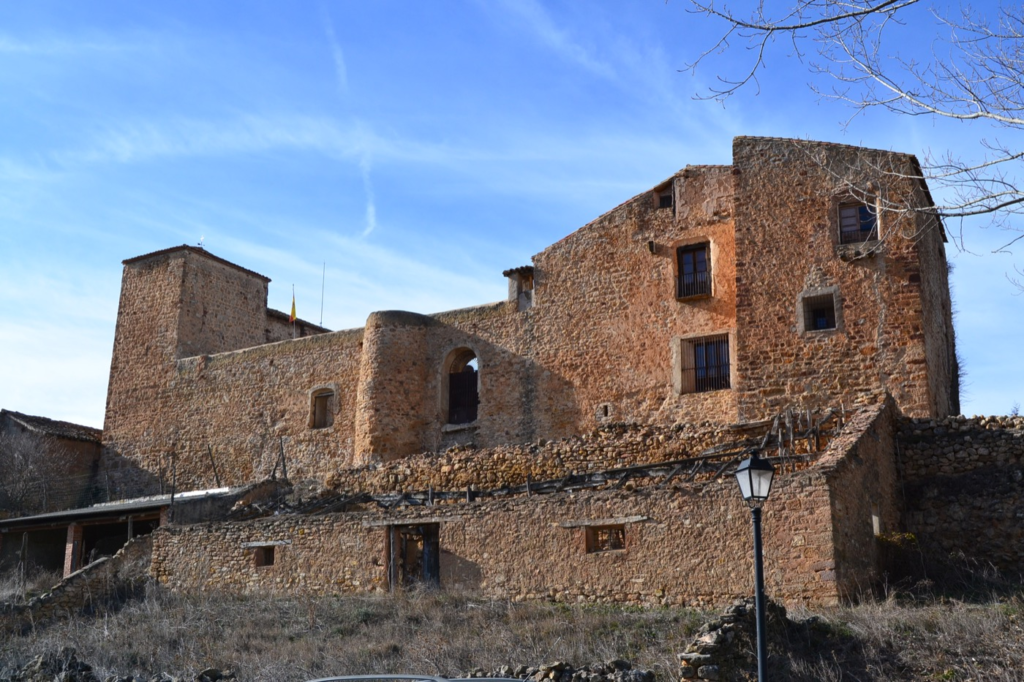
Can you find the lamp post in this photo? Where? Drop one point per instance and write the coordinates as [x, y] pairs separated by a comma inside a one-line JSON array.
[[755, 478]]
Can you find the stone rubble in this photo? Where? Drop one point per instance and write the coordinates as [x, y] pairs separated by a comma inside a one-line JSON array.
[[616, 670]]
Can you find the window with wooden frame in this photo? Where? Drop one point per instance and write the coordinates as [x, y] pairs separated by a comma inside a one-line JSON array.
[[694, 267], [705, 364], [322, 415], [606, 538], [858, 222]]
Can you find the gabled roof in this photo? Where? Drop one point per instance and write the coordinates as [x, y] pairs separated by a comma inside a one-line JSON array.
[[53, 427]]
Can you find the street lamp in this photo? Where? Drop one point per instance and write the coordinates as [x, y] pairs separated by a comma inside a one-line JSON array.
[[755, 478]]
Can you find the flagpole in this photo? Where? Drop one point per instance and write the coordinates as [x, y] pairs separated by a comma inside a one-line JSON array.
[[323, 281], [293, 312]]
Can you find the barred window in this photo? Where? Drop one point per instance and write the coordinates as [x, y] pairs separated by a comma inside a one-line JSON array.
[[819, 312], [705, 364], [857, 223], [694, 270], [605, 538]]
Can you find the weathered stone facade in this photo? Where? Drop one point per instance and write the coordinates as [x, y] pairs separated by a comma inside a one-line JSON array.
[[805, 279], [687, 543], [193, 374]]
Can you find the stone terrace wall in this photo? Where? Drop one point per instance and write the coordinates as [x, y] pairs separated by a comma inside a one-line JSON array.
[[608, 447], [964, 487], [689, 545]]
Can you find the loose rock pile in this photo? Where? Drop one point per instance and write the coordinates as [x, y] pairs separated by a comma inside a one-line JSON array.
[[609, 671], [725, 648], [64, 666]]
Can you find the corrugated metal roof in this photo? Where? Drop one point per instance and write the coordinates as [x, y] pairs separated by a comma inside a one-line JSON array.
[[107, 509]]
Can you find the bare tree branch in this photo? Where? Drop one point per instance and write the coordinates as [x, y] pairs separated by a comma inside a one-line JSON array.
[[973, 74]]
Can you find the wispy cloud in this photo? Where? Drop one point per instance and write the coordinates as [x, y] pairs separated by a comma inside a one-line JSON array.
[[371, 206], [145, 140], [64, 46], [340, 72], [543, 26]]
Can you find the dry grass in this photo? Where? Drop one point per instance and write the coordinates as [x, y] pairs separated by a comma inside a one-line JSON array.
[[299, 639], [265, 639], [16, 588]]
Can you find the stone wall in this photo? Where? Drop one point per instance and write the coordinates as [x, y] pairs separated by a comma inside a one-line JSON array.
[[606, 315], [610, 446], [860, 468], [787, 203], [688, 545], [685, 542], [106, 578], [963, 487], [606, 339]]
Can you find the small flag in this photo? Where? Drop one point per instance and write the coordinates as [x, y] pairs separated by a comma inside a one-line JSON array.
[[292, 317]]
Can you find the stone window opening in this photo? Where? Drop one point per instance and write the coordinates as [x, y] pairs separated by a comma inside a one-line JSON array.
[[819, 310], [664, 196], [605, 538], [704, 364], [321, 408], [463, 394], [263, 556], [858, 222], [693, 264]]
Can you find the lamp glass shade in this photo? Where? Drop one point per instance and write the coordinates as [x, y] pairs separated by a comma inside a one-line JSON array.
[[755, 478]]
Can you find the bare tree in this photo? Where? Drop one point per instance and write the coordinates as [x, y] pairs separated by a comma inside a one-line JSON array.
[[858, 53], [32, 478]]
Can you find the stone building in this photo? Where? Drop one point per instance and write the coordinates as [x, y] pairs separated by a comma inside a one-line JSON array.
[[805, 275], [805, 279]]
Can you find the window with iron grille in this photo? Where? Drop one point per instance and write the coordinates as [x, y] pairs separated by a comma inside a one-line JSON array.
[[694, 270], [605, 538], [819, 312], [857, 223], [705, 364]]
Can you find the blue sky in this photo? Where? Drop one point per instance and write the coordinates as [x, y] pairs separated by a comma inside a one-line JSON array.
[[418, 149]]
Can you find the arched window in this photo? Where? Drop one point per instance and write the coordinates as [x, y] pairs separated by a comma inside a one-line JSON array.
[[463, 378]]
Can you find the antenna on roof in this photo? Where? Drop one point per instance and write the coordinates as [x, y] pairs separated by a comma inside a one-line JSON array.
[[323, 280], [201, 240]]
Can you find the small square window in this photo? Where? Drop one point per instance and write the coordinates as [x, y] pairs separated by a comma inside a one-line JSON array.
[[819, 312], [665, 200], [605, 538], [857, 223], [264, 556], [694, 264]]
